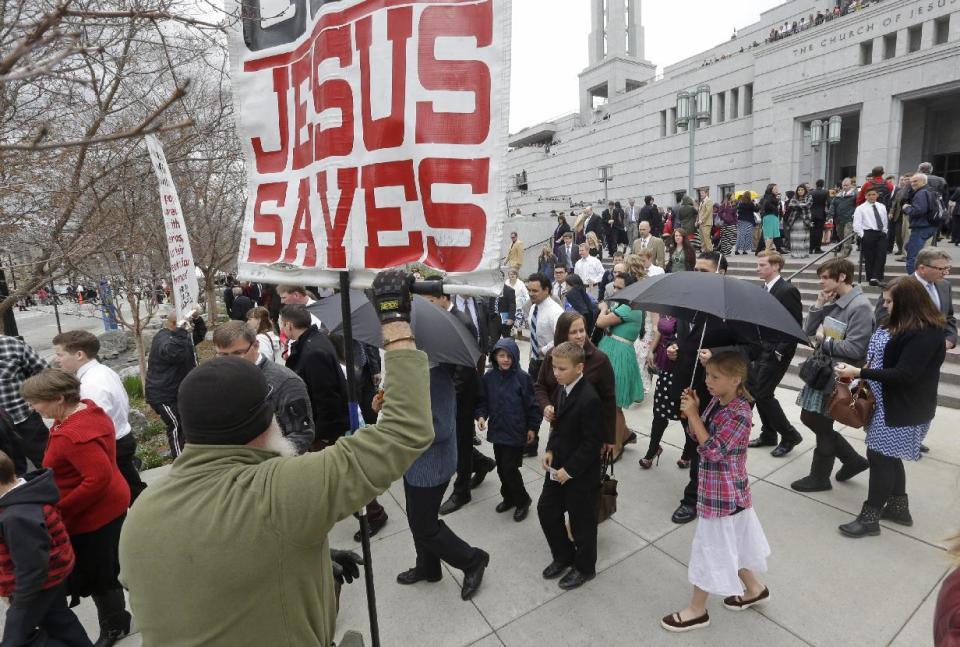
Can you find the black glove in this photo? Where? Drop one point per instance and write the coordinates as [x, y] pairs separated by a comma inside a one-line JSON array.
[[346, 565], [390, 295]]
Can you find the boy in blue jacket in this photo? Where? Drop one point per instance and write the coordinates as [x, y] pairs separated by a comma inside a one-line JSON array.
[[507, 409]]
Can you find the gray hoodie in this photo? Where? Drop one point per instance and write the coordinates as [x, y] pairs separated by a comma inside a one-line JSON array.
[[854, 310]]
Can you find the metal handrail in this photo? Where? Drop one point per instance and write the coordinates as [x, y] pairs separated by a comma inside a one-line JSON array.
[[829, 251]]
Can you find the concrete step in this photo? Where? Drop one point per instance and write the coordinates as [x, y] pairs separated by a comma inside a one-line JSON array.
[[948, 395]]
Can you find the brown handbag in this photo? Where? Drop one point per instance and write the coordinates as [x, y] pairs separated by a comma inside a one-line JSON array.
[[606, 502], [852, 408]]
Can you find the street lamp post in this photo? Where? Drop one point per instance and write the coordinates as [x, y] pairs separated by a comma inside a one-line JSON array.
[[823, 133], [692, 109], [605, 177]]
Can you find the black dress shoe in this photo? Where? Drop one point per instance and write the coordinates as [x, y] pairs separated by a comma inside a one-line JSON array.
[[503, 506], [453, 504], [375, 525], [482, 470], [473, 577], [784, 448], [575, 579], [413, 576], [521, 512], [555, 570], [760, 441], [924, 449], [684, 514]]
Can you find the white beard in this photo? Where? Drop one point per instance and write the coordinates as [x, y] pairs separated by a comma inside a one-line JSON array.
[[272, 440]]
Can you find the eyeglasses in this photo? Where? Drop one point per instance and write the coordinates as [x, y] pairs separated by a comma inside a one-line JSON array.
[[943, 269], [236, 353]]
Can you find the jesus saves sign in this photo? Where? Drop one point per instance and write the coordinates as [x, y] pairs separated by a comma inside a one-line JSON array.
[[374, 132]]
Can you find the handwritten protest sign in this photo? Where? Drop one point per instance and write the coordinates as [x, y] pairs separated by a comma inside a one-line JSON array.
[[374, 133], [182, 271]]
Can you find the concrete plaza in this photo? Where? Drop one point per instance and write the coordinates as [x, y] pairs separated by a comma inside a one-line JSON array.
[[826, 589]]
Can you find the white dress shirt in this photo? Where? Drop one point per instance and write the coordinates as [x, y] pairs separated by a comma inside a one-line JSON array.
[[865, 220], [590, 269], [769, 284], [102, 385], [931, 289], [569, 387], [548, 311], [655, 270]]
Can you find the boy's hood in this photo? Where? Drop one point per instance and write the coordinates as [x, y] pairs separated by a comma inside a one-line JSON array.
[[511, 347], [40, 488]]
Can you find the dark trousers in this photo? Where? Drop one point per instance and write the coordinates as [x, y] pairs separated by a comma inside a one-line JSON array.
[[509, 459], [874, 248], [830, 444], [768, 374], [816, 235], [432, 538], [690, 491], [955, 227], [126, 453], [170, 415], [45, 620], [887, 478], [468, 459], [33, 438], [577, 500]]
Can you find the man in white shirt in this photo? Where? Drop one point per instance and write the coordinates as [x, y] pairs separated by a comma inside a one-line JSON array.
[[543, 323], [76, 352], [589, 269], [647, 241], [633, 217], [298, 294], [870, 224]]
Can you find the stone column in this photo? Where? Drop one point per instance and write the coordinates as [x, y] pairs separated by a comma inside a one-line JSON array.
[[903, 41], [927, 34]]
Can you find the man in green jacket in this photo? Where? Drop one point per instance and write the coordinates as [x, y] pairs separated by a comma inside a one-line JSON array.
[[231, 547]]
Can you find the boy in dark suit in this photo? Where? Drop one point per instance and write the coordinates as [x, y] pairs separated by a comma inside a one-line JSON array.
[[572, 461]]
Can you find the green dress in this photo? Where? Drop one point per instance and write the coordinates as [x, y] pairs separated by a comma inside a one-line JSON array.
[[618, 346]]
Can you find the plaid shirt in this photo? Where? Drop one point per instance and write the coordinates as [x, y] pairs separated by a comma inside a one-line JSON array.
[[723, 484], [17, 362]]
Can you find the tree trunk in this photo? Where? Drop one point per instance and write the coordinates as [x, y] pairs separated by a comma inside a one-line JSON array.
[[210, 288], [141, 361]]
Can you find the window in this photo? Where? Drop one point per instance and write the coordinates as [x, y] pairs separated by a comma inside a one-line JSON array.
[[941, 30], [663, 123], [866, 53], [721, 103], [734, 103], [914, 36], [889, 46], [723, 190], [748, 99]]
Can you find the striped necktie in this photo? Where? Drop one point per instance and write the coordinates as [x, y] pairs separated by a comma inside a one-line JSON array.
[[534, 343]]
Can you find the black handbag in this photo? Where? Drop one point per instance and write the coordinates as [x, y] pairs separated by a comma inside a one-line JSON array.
[[606, 502], [817, 370]]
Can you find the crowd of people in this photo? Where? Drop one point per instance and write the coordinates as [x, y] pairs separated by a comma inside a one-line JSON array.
[[228, 499]]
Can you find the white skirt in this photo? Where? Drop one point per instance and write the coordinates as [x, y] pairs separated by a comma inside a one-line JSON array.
[[724, 545]]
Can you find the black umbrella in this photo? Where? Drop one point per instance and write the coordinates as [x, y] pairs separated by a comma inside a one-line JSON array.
[[439, 334], [743, 305]]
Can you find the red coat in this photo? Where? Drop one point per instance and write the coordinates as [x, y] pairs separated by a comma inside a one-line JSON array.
[[83, 456]]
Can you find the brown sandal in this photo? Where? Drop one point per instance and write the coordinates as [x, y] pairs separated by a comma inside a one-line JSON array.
[[737, 603], [673, 622]]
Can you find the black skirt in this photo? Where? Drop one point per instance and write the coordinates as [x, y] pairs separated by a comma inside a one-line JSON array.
[[97, 564]]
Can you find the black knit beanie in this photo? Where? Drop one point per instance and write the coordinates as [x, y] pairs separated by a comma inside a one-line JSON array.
[[224, 402]]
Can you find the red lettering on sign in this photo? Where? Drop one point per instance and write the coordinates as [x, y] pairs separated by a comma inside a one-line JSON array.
[[275, 161], [476, 173], [334, 93], [386, 132], [336, 226], [302, 233], [302, 150], [460, 76], [382, 219], [268, 223]]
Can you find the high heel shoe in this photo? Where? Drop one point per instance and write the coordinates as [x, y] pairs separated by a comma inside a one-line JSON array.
[[647, 463], [683, 464]]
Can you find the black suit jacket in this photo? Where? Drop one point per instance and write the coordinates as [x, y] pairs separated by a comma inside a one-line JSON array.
[[508, 303], [597, 225], [314, 359], [789, 297], [577, 436], [565, 260], [818, 204], [466, 381], [719, 337], [241, 306]]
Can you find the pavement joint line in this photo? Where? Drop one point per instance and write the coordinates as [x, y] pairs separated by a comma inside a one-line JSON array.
[[932, 591]]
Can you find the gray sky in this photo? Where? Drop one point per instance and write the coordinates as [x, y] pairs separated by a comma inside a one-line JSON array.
[[550, 45]]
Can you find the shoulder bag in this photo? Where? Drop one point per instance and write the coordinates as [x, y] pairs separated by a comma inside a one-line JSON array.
[[606, 502], [817, 370], [853, 408]]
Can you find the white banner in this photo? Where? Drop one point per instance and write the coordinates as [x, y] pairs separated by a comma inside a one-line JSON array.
[[374, 133], [182, 271]]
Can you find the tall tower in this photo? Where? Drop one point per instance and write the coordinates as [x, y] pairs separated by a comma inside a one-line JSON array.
[[616, 50]]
